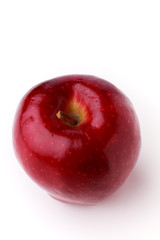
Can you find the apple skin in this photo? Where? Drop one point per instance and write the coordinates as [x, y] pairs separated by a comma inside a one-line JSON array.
[[79, 164]]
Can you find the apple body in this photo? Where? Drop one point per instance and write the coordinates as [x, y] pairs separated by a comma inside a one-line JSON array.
[[77, 137]]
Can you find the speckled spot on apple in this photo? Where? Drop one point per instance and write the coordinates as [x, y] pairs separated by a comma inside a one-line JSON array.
[[85, 95]]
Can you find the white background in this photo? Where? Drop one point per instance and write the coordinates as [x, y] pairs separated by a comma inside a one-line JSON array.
[[115, 40]]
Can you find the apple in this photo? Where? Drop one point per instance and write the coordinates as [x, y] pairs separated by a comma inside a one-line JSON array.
[[77, 137]]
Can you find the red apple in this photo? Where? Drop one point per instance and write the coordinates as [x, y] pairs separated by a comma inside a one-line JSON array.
[[78, 137]]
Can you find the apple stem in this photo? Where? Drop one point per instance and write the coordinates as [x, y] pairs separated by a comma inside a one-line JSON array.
[[72, 120]]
